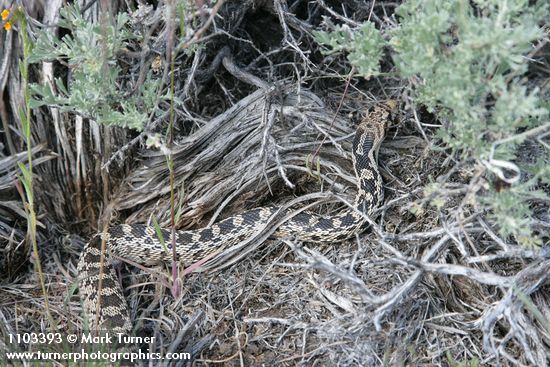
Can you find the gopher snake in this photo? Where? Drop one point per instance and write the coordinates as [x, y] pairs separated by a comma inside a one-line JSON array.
[[140, 244]]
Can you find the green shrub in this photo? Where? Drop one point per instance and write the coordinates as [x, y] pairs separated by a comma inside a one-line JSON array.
[[91, 55], [364, 46], [466, 61]]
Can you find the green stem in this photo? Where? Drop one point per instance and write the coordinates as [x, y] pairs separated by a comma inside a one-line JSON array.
[[28, 179]]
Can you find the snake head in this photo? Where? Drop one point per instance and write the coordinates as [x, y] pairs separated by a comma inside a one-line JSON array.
[[371, 130]]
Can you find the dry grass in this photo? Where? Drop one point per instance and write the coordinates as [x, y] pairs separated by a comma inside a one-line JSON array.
[[427, 288]]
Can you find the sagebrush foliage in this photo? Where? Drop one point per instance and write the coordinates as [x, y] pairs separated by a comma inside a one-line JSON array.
[[466, 62], [470, 61], [364, 46], [93, 89]]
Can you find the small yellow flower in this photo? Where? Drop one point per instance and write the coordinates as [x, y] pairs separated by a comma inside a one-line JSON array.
[[5, 14], [7, 26]]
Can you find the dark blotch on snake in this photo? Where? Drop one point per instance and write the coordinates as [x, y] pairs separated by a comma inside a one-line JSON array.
[[137, 231], [301, 218], [206, 235]]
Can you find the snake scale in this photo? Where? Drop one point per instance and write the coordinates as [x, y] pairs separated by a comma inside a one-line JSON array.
[[103, 300]]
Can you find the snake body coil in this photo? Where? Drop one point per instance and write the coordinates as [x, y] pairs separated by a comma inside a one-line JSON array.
[[105, 302]]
